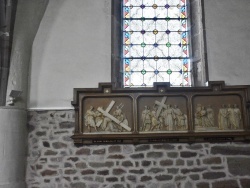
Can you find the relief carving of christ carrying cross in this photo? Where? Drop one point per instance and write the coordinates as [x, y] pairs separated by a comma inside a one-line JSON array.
[[163, 117], [103, 120]]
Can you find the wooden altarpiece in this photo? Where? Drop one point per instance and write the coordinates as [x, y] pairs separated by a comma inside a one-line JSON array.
[[108, 115]]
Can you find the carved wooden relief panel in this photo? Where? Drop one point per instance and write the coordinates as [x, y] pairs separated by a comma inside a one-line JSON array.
[[166, 113], [218, 113], [107, 115], [161, 114]]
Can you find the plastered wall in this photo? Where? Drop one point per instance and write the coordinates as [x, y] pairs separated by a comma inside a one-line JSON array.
[[227, 29], [73, 45], [72, 49]]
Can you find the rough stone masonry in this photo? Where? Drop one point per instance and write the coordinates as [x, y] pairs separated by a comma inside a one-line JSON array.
[[54, 162]]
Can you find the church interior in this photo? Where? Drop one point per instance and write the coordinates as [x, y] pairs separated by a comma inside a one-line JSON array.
[[50, 47]]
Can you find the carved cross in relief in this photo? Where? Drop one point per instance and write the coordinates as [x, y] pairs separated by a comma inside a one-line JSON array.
[[107, 114], [161, 105]]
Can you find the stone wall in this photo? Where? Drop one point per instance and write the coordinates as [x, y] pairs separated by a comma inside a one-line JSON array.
[[53, 160]]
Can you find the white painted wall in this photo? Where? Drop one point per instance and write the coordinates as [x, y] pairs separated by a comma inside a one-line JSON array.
[[72, 48], [228, 46]]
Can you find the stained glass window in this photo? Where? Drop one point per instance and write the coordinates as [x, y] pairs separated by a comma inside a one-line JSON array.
[[155, 43]]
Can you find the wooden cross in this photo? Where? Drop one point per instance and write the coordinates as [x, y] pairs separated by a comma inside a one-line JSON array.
[[107, 114], [160, 106]]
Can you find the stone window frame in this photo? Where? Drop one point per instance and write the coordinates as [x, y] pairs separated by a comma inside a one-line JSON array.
[[198, 44]]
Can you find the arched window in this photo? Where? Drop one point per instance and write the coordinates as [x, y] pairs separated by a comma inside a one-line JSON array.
[[155, 43]]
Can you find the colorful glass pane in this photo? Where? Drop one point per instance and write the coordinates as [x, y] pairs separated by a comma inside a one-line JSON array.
[[155, 43]]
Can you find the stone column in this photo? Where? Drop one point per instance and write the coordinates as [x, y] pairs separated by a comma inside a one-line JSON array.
[[13, 131], [13, 138], [198, 43]]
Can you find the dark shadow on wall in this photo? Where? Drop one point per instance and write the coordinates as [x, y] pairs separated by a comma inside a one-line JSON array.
[[28, 17], [7, 20]]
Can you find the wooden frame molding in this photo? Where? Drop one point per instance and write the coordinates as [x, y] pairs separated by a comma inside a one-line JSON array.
[[108, 115]]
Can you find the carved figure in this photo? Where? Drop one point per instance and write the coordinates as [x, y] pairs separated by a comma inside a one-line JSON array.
[[109, 120], [223, 117], [180, 120], [108, 125], [169, 118], [204, 117], [237, 114], [160, 112], [99, 118], [177, 113], [230, 116], [154, 119], [198, 116], [234, 117], [183, 122], [160, 105], [163, 117], [160, 120], [118, 114], [146, 119], [205, 120], [90, 118], [210, 115], [104, 121]]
